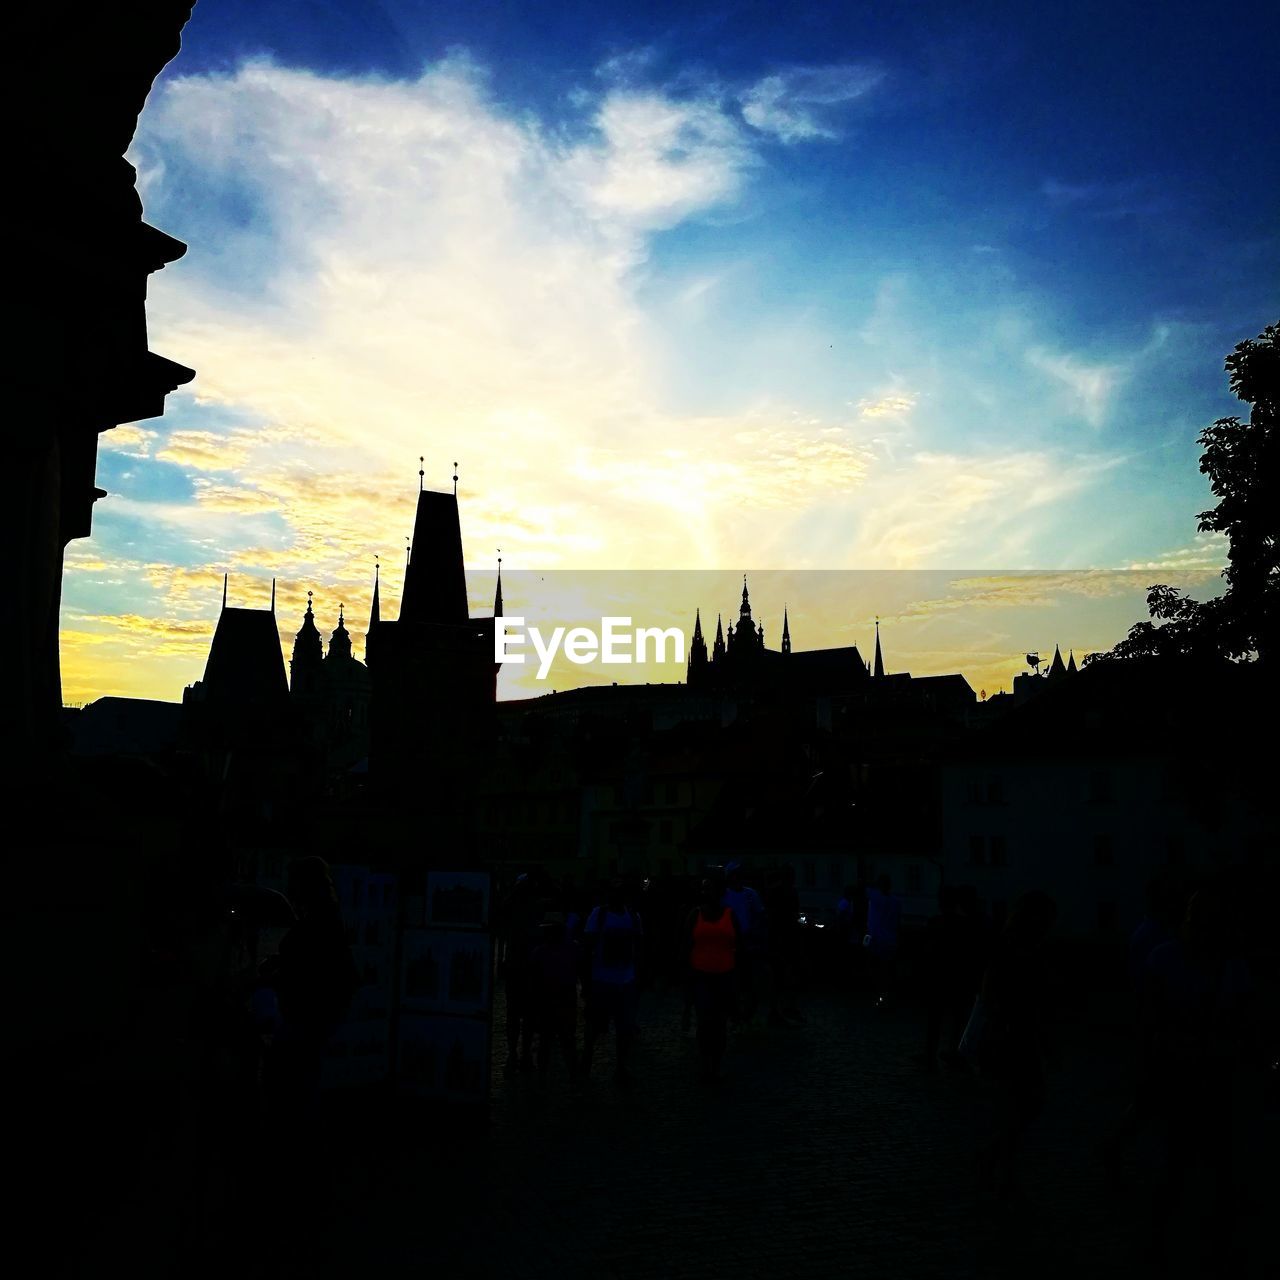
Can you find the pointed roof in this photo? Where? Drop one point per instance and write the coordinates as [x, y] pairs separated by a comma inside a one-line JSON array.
[[435, 585], [497, 592], [697, 625], [375, 609], [879, 660], [340, 641], [786, 631], [1058, 668], [719, 630], [1071, 664], [308, 627], [245, 664]]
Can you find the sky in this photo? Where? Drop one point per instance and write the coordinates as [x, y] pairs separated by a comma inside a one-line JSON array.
[[922, 288]]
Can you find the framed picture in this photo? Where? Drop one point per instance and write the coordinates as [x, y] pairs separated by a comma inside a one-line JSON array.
[[458, 899], [444, 1057], [447, 971]]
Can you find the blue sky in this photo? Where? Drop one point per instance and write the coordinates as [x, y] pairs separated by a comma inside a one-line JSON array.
[[892, 286]]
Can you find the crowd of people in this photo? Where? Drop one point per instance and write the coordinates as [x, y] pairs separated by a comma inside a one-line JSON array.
[[990, 995], [739, 956], [734, 951]]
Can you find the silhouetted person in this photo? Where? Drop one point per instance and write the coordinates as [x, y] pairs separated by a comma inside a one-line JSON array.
[[1015, 1042], [1161, 923], [752, 967], [1198, 986], [850, 930], [614, 935], [315, 980], [713, 941], [521, 915], [884, 913], [554, 968]]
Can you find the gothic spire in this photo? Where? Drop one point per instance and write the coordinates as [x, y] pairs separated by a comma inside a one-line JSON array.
[[375, 609], [1071, 664], [697, 624], [879, 667], [786, 631], [497, 593], [1058, 667]]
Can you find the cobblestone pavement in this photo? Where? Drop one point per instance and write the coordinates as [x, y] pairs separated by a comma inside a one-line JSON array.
[[828, 1151]]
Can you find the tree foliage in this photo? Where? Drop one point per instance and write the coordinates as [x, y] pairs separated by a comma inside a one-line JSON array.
[[1242, 461]]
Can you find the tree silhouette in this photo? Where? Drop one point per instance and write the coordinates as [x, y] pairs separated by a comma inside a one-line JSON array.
[[1242, 461]]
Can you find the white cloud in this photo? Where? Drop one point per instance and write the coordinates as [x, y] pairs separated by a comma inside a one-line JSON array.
[[796, 105], [1090, 386], [419, 272]]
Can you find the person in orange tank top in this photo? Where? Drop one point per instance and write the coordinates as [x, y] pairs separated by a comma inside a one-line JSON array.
[[712, 936]]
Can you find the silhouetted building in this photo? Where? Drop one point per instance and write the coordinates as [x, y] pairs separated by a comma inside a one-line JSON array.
[[144, 727], [243, 698], [331, 692], [1104, 779], [740, 661], [82, 363], [433, 681]]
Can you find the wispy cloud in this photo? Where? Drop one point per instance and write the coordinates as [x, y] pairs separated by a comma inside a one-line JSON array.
[[386, 269], [1124, 198], [1090, 385], [799, 104]]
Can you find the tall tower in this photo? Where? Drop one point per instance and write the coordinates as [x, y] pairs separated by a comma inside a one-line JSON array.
[[697, 669], [786, 631], [879, 667], [340, 641], [304, 666]]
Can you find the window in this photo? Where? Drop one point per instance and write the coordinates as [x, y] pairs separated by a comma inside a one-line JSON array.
[[1103, 854], [977, 851], [999, 857]]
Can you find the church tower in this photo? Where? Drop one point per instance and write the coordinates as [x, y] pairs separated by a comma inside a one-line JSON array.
[[697, 669], [786, 631], [304, 667], [340, 641]]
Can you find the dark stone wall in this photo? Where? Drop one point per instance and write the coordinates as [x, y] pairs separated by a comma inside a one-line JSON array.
[[79, 257]]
